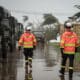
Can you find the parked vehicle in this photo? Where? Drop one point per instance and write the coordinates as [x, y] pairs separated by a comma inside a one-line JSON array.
[[8, 31]]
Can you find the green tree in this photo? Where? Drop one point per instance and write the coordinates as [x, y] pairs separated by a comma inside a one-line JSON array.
[[53, 26], [49, 19]]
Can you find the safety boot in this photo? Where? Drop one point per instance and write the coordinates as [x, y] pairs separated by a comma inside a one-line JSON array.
[[62, 71]]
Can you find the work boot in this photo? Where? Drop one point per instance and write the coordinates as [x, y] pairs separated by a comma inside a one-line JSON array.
[[62, 71]]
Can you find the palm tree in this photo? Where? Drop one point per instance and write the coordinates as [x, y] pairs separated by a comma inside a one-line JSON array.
[[75, 17], [49, 19]]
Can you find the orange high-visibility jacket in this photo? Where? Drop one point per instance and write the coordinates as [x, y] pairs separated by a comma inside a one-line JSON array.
[[69, 41], [27, 40]]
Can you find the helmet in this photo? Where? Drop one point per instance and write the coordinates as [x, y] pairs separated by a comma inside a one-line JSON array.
[[28, 28], [68, 25]]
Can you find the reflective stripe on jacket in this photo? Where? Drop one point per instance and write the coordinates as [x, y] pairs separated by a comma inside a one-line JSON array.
[[27, 40], [69, 40]]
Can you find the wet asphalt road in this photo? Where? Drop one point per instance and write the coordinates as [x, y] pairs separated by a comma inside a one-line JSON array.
[[45, 66]]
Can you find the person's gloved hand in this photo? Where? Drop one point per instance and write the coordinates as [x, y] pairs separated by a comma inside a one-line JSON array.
[[76, 49], [19, 48], [34, 47]]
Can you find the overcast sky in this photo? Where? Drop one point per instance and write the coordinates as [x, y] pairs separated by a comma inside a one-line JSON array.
[[59, 8]]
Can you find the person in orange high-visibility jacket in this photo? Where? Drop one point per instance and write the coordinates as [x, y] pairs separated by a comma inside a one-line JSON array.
[[28, 41], [69, 44]]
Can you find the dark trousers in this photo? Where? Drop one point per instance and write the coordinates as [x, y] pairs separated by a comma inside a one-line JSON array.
[[71, 62], [28, 52]]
